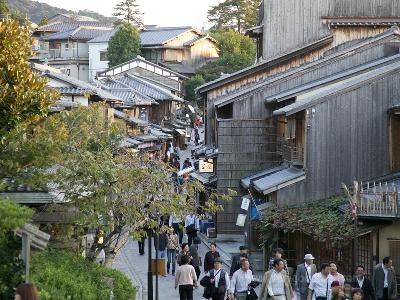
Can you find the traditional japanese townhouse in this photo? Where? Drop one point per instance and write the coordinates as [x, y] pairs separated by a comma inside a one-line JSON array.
[[142, 98], [140, 67], [63, 44], [264, 152]]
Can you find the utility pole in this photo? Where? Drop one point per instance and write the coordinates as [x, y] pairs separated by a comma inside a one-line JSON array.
[[149, 273]]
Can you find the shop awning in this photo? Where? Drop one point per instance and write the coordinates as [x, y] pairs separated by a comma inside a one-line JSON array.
[[205, 178], [278, 180], [247, 181], [181, 131]]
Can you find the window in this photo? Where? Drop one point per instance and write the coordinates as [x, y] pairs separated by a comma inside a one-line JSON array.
[[225, 112], [66, 47], [103, 56], [68, 72]]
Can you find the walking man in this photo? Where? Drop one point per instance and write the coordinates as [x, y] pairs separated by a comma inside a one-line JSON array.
[[361, 282], [210, 257], [320, 284], [219, 279], [240, 281], [384, 280], [276, 283], [277, 254], [191, 226], [237, 260], [175, 223], [304, 273], [336, 276]]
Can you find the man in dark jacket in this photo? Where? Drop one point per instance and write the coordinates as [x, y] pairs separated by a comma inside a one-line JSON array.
[[384, 280], [236, 260], [361, 282], [161, 246], [210, 257]]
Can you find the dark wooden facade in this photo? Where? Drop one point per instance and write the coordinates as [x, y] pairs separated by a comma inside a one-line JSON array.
[[343, 136]]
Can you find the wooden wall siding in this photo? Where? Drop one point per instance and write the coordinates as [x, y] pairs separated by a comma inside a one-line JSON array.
[[181, 39], [202, 51], [348, 139], [290, 24], [345, 34], [361, 56], [244, 148], [372, 8]]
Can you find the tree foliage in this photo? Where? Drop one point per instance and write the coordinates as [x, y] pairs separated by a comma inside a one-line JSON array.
[[128, 11], [321, 220], [236, 52], [114, 192], [234, 14], [190, 85], [124, 45], [44, 21], [13, 216], [64, 275], [4, 10], [24, 97]]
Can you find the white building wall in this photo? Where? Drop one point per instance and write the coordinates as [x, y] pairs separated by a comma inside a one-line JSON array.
[[76, 70], [95, 64]]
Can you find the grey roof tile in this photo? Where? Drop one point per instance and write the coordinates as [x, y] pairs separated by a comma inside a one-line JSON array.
[[78, 33], [159, 35], [64, 26]]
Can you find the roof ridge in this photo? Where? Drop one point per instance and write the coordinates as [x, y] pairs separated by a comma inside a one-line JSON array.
[[151, 85]]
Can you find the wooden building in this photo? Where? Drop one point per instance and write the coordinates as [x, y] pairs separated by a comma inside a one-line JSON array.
[[314, 111]]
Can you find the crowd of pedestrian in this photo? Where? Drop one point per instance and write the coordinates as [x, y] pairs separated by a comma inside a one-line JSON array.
[[309, 283]]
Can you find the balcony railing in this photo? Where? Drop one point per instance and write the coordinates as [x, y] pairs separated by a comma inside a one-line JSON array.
[[378, 204], [290, 154]]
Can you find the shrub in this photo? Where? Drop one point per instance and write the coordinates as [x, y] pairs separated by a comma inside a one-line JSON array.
[[64, 275]]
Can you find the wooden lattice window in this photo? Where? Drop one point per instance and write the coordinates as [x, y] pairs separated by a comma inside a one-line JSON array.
[[394, 253]]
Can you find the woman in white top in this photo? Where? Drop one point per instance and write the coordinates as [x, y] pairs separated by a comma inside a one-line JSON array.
[[186, 279]]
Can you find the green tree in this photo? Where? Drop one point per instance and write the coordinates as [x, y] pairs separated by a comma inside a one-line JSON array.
[[234, 14], [194, 82], [115, 192], [236, 52], [4, 10], [44, 21], [24, 97], [124, 45], [13, 216], [128, 11]]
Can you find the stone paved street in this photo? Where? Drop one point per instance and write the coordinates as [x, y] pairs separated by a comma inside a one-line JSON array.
[[135, 267]]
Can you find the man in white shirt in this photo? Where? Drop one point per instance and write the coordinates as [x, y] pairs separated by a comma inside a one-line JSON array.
[[276, 283], [175, 223], [219, 278], [191, 225], [320, 285], [240, 281], [336, 276]]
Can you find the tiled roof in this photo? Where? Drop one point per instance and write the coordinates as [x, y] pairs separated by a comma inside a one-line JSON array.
[[64, 26], [78, 84], [30, 197], [160, 35], [130, 96], [149, 89], [105, 37], [180, 68], [79, 33], [71, 18], [70, 90]]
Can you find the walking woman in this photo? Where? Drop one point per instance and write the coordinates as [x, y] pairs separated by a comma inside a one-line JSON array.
[[186, 279], [184, 252], [172, 249], [193, 250]]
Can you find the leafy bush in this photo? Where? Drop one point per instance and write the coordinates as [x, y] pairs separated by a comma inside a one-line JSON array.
[[191, 85], [64, 275]]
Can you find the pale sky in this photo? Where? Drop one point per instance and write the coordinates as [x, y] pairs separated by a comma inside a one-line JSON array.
[[157, 12]]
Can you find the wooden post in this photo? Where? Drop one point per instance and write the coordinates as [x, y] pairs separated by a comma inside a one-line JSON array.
[[26, 253]]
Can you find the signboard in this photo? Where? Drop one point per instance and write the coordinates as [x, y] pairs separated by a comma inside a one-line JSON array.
[[245, 203], [241, 220], [206, 166]]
